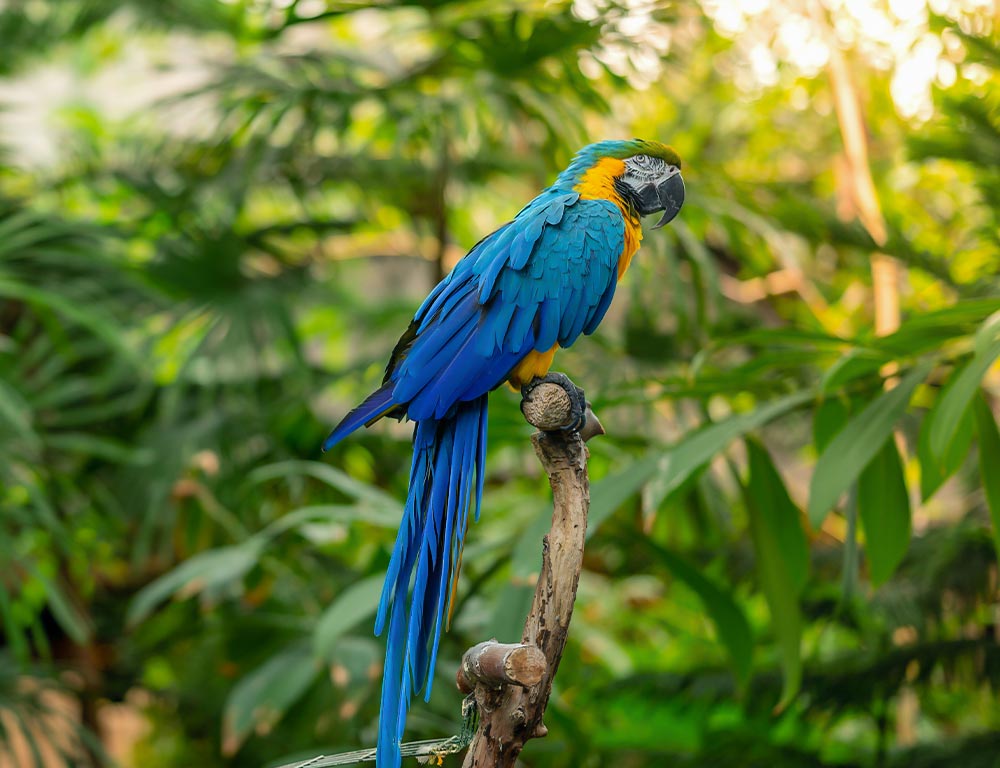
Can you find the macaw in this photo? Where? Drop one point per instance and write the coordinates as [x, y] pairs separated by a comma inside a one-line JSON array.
[[531, 287]]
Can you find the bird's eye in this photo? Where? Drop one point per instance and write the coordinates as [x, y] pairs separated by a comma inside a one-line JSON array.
[[644, 167]]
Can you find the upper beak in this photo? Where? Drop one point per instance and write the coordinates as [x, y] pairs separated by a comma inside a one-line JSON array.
[[670, 192]]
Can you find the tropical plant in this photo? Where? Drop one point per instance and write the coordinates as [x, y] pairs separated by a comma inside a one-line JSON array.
[[791, 559]]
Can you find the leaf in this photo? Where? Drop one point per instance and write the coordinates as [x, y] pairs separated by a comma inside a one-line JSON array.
[[986, 334], [73, 623], [855, 364], [15, 413], [849, 560], [854, 446], [350, 608], [332, 476], [682, 459], [86, 315], [203, 571], [957, 397], [688, 455], [785, 335], [731, 625], [934, 470], [989, 461], [260, 699], [100, 447], [13, 632], [609, 493], [768, 493], [828, 419], [884, 509], [776, 570], [930, 329], [332, 513], [510, 605]]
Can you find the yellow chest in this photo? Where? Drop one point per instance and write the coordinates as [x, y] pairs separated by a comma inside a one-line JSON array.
[[598, 184]]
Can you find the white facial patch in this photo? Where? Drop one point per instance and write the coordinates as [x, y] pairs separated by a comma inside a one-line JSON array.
[[643, 169]]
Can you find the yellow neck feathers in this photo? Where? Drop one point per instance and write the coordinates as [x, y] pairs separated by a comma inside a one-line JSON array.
[[598, 183]]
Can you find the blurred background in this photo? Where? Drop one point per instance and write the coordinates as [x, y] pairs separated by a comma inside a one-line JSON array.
[[216, 217]]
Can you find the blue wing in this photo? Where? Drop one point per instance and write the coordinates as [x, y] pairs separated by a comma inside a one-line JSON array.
[[544, 278]]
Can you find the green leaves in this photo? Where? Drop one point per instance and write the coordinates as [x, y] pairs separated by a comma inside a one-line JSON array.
[[167, 374], [688, 455], [849, 452], [352, 606], [936, 468], [829, 418], [260, 699], [679, 462], [331, 476], [946, 434], [730, 622], [76, 626], [884, 507], [782, 557], [989, 462], [205, 572], [957, 398]]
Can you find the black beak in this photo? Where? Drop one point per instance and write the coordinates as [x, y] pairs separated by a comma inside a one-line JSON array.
[[671, 196]]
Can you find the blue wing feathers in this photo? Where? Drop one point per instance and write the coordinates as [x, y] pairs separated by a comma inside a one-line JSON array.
[[572, 317], [517, 334], [374, 406], [496, 323], [598, 313], [548, 324], [524, 243], [488, 282]]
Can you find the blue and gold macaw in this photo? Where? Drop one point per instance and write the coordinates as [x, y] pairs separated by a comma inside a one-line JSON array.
[[529, 288]]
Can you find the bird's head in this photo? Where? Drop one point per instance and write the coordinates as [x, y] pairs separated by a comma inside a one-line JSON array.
[[641, 176]]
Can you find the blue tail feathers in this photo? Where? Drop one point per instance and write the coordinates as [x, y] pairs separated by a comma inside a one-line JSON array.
[[426, 556]]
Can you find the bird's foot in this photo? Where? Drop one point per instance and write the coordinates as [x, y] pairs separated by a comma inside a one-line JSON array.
[[571, 417]]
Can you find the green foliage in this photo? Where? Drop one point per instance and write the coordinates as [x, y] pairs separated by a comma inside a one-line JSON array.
[[847, 455], [782, 560], [989, 456], [731, 625], [884, 509], [191, 294]]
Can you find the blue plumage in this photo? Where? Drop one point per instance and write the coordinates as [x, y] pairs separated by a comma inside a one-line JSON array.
[[541, 280], [374, 406]]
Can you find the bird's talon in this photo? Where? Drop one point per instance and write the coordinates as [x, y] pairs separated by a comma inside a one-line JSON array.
[[578, 400]]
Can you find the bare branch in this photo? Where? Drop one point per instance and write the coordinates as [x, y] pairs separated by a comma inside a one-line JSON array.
[[511, 715], [498, 664], [548, 407]]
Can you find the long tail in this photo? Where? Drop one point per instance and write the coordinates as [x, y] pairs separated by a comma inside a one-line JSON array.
[[427, 552]]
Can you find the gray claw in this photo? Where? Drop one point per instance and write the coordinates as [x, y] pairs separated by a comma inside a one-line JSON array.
[[578, 401]]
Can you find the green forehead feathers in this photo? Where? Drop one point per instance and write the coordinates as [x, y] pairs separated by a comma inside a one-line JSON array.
[[590, 155], [624, 149]]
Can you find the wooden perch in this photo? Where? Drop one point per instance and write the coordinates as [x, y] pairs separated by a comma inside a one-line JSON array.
[[511, 714], [548, 407], [498, 664]]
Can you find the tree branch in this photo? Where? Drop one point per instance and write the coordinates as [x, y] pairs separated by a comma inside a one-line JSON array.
[[510, 715], [497, 664]]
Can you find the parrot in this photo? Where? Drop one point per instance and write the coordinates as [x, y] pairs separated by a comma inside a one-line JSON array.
[[532, 286]]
